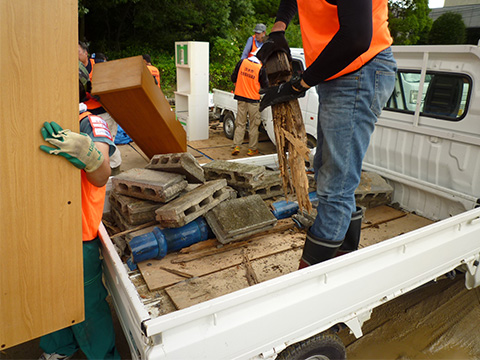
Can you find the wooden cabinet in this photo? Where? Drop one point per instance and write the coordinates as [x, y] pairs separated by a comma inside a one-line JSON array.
[[41, 266]]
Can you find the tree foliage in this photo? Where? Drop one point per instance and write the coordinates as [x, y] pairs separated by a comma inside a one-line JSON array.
[[409, 21], [449, 28]]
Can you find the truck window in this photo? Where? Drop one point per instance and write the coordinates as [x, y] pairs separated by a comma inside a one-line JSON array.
[[444, 96]]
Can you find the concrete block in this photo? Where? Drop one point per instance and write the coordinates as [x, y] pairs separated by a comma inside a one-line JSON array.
[[179, 163], [269, 187], [373, 191], [236, 174], [148, 184], [120, 221], [134, 211], [130, 236], [240, 218], [193, 204]]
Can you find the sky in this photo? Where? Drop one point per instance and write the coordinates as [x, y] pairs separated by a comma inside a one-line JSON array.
[[435, 3]]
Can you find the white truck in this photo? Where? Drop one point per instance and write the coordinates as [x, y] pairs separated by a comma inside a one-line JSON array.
[[225, 107], [427, 146]]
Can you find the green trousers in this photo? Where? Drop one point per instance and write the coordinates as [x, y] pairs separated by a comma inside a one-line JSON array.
[[95, 336]]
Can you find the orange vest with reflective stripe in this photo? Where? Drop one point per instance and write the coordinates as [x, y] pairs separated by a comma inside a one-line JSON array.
[[93, 199], [254, 47], [319, 23], [154, 71], [248, 82]]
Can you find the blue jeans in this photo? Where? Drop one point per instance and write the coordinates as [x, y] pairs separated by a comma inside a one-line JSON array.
[[347, 113]]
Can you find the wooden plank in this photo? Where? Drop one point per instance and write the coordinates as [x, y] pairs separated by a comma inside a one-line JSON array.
[[128, 92], [41, 266], [389, 229], [380, 214], [195, 291], [262, 246]]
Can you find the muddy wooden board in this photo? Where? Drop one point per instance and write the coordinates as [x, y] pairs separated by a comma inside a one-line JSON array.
[[380, 214], [387, 230], [160, 273], [197, 290]]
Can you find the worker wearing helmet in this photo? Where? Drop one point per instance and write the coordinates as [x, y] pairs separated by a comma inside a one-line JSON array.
[[89, 151], [349, 60]]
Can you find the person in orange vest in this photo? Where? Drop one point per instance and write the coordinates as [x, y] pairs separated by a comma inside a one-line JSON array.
[[255, 41], [95, 107], [350, 62], [248, 76], [153, 70], [84, 59], [88, 151]]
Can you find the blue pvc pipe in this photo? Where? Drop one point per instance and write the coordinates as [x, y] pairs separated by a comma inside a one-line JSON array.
[[156, 244], [283, 209]]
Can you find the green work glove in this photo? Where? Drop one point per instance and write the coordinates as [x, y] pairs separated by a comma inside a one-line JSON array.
[[78, 148]]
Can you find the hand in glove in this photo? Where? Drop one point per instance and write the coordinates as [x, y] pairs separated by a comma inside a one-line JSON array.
[[78, 148], [283, 93], [276, 42]]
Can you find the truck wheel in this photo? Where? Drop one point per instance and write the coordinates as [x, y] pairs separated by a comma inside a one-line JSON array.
[[229, 125], [319, 347], [311, 142]]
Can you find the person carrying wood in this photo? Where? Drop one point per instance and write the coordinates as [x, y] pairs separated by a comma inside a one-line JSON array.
[[249, 77], [349, 60], [89, 151]]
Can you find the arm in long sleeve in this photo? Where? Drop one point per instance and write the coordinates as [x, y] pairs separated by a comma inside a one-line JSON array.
[[234, 75], [247, 49], [286, 11], [263, 78], [352, 39]]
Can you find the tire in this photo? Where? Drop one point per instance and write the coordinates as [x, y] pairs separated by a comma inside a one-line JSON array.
[[229, 125], [319, 347], [311, 142]]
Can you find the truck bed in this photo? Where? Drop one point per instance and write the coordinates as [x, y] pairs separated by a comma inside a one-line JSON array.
[[209, 269]]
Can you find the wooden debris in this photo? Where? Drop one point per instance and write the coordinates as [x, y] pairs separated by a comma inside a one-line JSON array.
[[290, 135], [139, 227], [250, 273], [177, 272]]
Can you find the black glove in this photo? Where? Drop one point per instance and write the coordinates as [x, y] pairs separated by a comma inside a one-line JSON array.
[[275, 42], [282, 93]]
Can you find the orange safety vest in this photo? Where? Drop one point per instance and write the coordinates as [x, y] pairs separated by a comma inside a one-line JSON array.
[[154, 71], [319, 23], [254, 47], [93, 199], [92, 103], [92, 62], [248, 83]]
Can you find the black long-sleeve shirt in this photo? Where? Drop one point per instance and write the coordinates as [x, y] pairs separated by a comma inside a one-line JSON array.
[[352, 39]]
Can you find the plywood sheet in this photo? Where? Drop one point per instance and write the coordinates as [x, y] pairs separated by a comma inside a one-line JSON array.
[[127, 90], [41, 263], [197, 290], [392, 228], [157, 276]]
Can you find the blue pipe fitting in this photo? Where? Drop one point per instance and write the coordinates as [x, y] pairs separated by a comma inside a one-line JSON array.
[[157, 243], [283, 209]]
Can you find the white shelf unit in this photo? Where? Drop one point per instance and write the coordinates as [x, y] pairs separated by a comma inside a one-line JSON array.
[[191, 97]]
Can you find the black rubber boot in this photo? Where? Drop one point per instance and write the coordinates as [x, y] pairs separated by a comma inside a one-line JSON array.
[[352, 237], [317, 250]]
